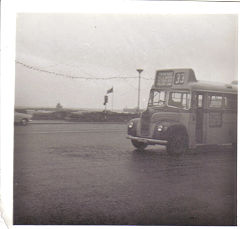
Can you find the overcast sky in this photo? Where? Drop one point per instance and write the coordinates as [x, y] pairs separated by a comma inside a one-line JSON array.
[[91, 45]]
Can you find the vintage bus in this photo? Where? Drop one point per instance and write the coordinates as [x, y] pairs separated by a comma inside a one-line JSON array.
[[184, 113]]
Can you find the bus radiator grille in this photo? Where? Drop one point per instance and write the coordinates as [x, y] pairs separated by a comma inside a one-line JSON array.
[[145, 127]]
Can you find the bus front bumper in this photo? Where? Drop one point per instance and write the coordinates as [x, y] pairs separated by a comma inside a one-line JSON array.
[[148, 140]]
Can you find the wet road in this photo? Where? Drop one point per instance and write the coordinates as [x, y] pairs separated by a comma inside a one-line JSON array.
[[91, 174]]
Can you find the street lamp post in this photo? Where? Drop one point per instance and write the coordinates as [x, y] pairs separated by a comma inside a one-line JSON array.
[[139, 85]]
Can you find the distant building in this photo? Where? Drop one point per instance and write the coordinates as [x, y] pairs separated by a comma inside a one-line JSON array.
[[59, 106]]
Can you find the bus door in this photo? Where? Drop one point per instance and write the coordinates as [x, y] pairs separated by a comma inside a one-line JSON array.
[[199, 117]]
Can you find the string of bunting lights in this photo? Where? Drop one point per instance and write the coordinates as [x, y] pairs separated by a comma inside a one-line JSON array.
[[75, 77]]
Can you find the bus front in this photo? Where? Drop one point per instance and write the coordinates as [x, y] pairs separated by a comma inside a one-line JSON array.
[[166, 119]]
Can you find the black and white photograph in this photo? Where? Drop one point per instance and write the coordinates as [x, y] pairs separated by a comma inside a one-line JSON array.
[[125, 119]]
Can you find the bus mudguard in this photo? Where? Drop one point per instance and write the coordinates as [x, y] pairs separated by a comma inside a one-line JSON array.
[[132, 126]]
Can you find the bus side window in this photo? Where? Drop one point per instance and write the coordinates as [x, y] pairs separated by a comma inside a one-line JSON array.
[[230, 102], [215, 101], [200, 101], [215, 104]]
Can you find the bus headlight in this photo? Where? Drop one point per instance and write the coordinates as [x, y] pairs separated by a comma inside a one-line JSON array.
[[130, 125], [160, 128]]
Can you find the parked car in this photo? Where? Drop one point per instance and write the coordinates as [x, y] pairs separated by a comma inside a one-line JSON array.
[[21, 118]]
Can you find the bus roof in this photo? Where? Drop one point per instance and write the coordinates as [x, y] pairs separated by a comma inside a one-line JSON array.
[[185, 79], [213, 87]]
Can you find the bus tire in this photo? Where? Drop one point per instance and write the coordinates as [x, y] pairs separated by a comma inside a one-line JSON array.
[[177, 143], [139, 145]]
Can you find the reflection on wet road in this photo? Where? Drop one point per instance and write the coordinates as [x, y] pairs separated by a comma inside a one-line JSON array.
[[91, 174]]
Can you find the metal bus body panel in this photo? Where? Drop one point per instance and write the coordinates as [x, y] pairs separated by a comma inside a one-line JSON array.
[[225, 133], [191, 130]]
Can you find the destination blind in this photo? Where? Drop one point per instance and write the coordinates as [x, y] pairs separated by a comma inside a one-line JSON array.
[[164, 78], [168, 78]]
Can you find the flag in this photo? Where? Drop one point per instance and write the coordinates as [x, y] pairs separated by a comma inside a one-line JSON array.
[[105, 100], [110, 90]]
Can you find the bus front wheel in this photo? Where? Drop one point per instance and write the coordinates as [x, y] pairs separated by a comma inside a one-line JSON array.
[[139, 145], [177, 143]]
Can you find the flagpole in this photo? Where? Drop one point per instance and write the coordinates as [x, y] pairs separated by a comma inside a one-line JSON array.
[[112, 99], [105, 113]]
